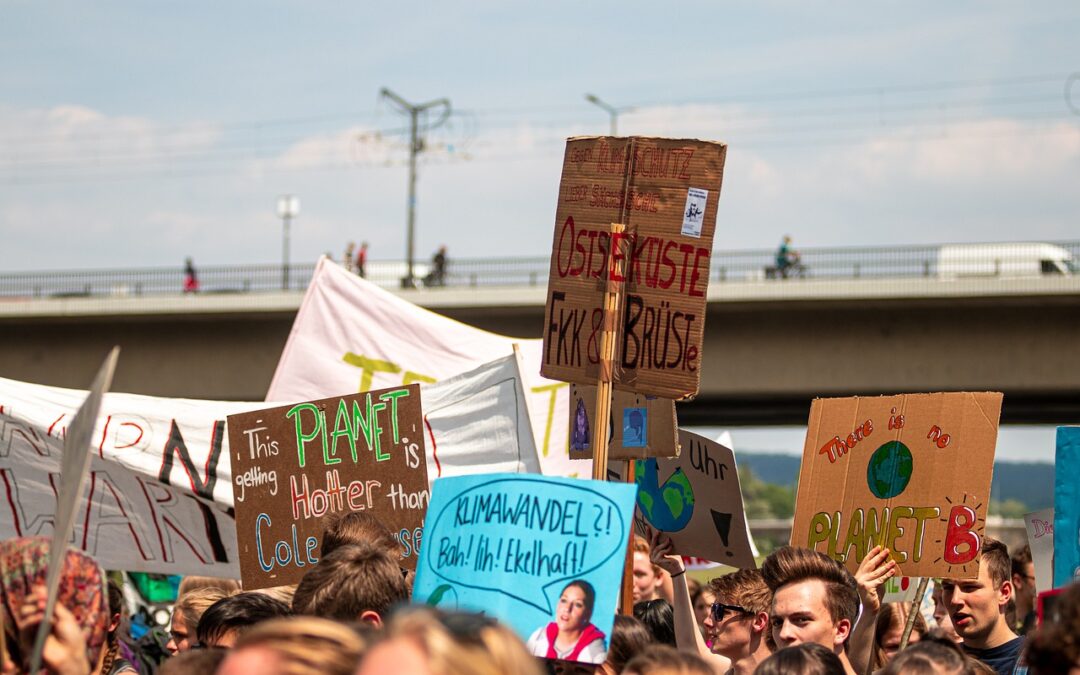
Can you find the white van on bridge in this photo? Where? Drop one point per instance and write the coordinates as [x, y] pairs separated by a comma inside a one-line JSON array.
[[1021, 259]]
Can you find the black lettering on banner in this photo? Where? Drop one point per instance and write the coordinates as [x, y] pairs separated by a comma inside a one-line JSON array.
[[202, 486]]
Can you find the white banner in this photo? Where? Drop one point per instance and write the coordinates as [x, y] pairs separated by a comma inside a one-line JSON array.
[[350, 335], [159, 496]]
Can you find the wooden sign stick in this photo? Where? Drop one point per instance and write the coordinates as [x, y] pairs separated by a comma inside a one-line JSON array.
[[913, 612]]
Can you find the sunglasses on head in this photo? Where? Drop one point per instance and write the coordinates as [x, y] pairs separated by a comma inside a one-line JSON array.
[[719, 609]]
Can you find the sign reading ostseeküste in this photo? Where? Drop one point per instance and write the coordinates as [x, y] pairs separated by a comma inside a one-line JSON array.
[[295, 466], [665, 192]]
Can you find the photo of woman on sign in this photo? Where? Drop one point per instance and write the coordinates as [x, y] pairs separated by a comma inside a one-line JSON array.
[[571, 636]]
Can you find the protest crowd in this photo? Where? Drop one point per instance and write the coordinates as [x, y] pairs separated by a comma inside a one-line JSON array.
[[411, 529]]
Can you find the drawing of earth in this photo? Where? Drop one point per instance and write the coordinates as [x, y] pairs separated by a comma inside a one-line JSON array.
[[889, 470], [669, 506]]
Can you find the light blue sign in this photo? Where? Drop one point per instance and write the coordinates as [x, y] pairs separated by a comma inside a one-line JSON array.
[[1067, 506], [544, 555]]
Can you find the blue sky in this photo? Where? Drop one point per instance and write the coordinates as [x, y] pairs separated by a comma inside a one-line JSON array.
[[134, 134]]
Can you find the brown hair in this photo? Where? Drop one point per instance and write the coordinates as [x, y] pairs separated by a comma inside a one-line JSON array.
[[307, 645], [351, 580], [629, 637], [894, 614], [929, 657], [665, 660], [359, 527], [998, 564], [474, 645], [745, 588], [192, 662], [790, 564], [1055, 646], [1021, 559], [808, 658]]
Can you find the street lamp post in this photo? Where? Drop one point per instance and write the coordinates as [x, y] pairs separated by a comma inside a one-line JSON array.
[[609, 109], [288, 207]]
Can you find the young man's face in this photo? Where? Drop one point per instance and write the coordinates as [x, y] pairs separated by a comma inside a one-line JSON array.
[[799, 615], [976, 605], [730, 636]]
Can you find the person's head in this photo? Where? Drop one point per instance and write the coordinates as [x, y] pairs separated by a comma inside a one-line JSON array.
[[1055, 646], [575, 607], [428, 641], [359, 527], [647, 577], [807, 658], [741, 615], [889, 629], [941, 614], [354, 582], [930, 656], [814, 598], [702, 602], [187, 611], [229, 618], [658, 617], [194, 662], [1023, 579], [191, 583], [665, 660], [629, 637], [24, 562], [296, 646], [977, 606]]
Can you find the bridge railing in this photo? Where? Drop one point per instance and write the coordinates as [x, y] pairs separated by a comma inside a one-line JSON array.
[[754, 266]]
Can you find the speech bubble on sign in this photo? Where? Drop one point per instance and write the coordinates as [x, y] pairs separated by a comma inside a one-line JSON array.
[[509, 544]]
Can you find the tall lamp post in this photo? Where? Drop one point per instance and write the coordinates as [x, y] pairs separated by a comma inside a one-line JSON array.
[[288, 207], [610, 110]]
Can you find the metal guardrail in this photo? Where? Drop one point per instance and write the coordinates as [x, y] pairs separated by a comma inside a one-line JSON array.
[[727, 267]]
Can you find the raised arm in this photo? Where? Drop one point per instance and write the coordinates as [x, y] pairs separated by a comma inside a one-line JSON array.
[[876, 568]]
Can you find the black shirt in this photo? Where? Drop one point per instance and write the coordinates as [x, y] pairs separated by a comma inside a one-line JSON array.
[[1002, 658]]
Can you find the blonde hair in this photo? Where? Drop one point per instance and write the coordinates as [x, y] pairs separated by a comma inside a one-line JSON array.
[[191, 583], [307, 645], [491, 649], [192, 604]]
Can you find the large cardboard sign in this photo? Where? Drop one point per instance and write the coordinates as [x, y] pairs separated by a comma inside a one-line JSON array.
[[1067, 507], [665, 192], [351, 335], [1040, 534], [297, 465], [909, 472], [695, 499], [640, 426], [515, 547]]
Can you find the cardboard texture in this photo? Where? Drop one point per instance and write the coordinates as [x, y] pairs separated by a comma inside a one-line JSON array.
[[640, 426], [1040, 534], [665, 191], [510, 546], [296, 466], [1067, 506], [911, 472], [695, 499]]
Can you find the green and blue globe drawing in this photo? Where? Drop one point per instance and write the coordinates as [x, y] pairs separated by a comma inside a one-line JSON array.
[[668, 507], [889, 470]]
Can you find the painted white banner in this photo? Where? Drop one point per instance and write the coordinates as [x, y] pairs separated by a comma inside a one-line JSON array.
[[1040, 534], [350, 335], [159, 496]]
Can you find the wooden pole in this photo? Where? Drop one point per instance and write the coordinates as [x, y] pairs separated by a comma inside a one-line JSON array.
[[607, 357], [626, 599], [913, 612]]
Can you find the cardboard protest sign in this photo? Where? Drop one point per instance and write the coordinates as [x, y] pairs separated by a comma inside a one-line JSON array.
[[1040, 534], [518, 547], [901, 589], [665, 192], [695, 499], [296, 465], [1067, 506], [909, 472], [640, 425], [351, 335]]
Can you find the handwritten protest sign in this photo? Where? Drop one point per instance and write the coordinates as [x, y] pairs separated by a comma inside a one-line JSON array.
[[665, 192], [294, 466], [640, 425], [516, 546], [695, 499], [1040, 534], [1067, 506], [909, 472]]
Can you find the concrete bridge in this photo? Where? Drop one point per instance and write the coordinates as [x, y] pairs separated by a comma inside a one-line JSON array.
[[771, 345]]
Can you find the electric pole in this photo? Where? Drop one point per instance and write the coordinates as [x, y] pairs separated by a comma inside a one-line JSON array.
[[416, 146]]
